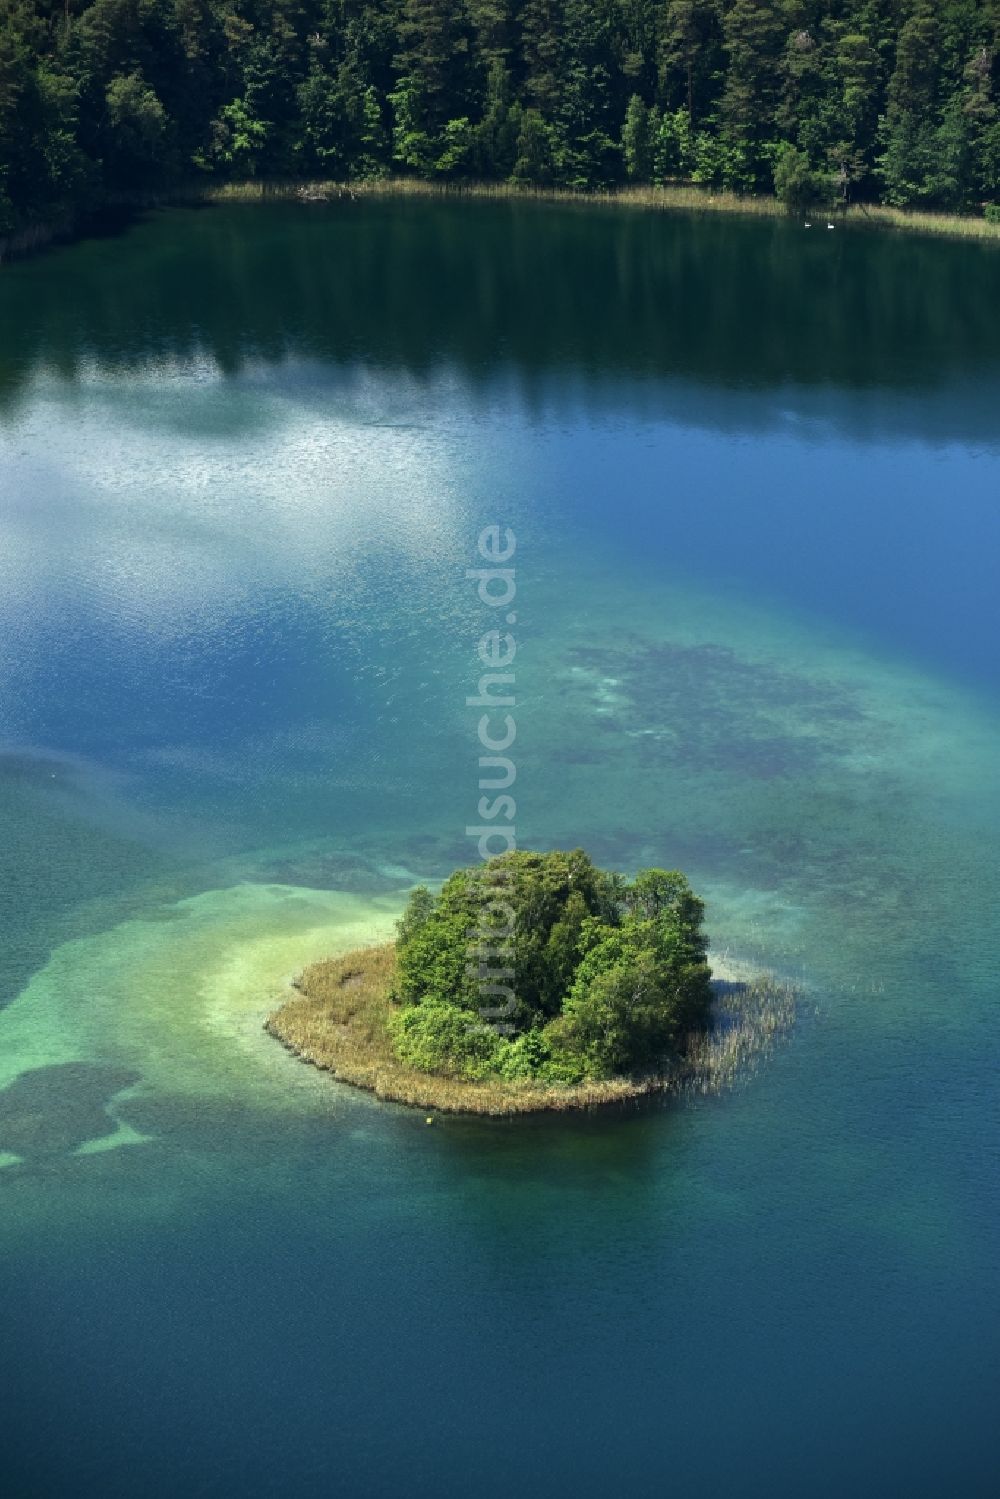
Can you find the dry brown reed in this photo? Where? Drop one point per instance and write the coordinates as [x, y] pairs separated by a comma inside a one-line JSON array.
[[748, 1020], [685, 197], [337, 1019]]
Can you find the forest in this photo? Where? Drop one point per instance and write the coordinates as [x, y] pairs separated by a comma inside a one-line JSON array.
[[593, 976], [832, 101]]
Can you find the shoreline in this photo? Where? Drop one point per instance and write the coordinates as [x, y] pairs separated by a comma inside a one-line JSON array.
[[677, 197], [334, 1019], [674, 197]]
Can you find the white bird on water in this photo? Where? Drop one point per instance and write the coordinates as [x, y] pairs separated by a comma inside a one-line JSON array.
[[831, 226]]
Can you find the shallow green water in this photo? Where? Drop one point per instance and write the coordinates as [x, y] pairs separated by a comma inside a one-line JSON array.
[[245, 457]]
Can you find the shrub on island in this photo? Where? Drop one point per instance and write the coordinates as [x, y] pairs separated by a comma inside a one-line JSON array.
[[599, 976]]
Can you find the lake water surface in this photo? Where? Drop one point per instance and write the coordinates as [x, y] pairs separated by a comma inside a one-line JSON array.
[[245, 455]]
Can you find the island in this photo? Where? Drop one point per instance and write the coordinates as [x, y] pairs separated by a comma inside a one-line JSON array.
[[534, 982]]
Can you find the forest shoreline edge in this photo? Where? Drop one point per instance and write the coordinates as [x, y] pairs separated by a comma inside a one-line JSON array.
[[673, 198]]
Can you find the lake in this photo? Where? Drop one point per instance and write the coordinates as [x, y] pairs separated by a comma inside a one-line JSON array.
[[246, 453]]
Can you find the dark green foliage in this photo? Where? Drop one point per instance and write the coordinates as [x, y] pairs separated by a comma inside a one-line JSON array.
[[638, 139], [795, 181], [541, 965], [754, 34], [418, 910], [828, 99], [545, 897]]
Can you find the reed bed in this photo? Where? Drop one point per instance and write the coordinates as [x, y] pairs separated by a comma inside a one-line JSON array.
[[336, 1019], [32, 238], [962, 226], [749, 1018], [684, 197]]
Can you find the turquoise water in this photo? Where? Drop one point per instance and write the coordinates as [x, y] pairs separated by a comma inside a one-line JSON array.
[[245, 456]]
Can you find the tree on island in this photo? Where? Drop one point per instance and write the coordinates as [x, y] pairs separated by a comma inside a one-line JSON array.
[[544, 966]]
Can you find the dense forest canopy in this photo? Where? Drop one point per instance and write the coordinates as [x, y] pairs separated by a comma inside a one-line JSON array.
[[575, 972], [831, 99]]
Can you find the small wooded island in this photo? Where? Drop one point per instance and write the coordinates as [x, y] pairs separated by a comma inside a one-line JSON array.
[[534, 981]]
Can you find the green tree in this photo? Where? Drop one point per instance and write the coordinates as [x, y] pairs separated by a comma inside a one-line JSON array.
[[412, 145], [498, 130], [330, 107], [457, 147], [795, 182], [754, 37], [43, 171], [433, 81], [674, 148], [373, 148], [138, 131], [619, 1017], [689, 55], [573, 971], [239, 139], [588, 152], [637, 145], [853, 110], [534, 159], [908, 130], [541, 30], [419, 909]]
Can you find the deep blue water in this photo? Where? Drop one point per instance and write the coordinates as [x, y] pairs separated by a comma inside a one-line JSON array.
[[753, 481]]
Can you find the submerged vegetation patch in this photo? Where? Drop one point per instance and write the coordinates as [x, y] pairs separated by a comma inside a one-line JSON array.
[[54, 1110], [753, 717]]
